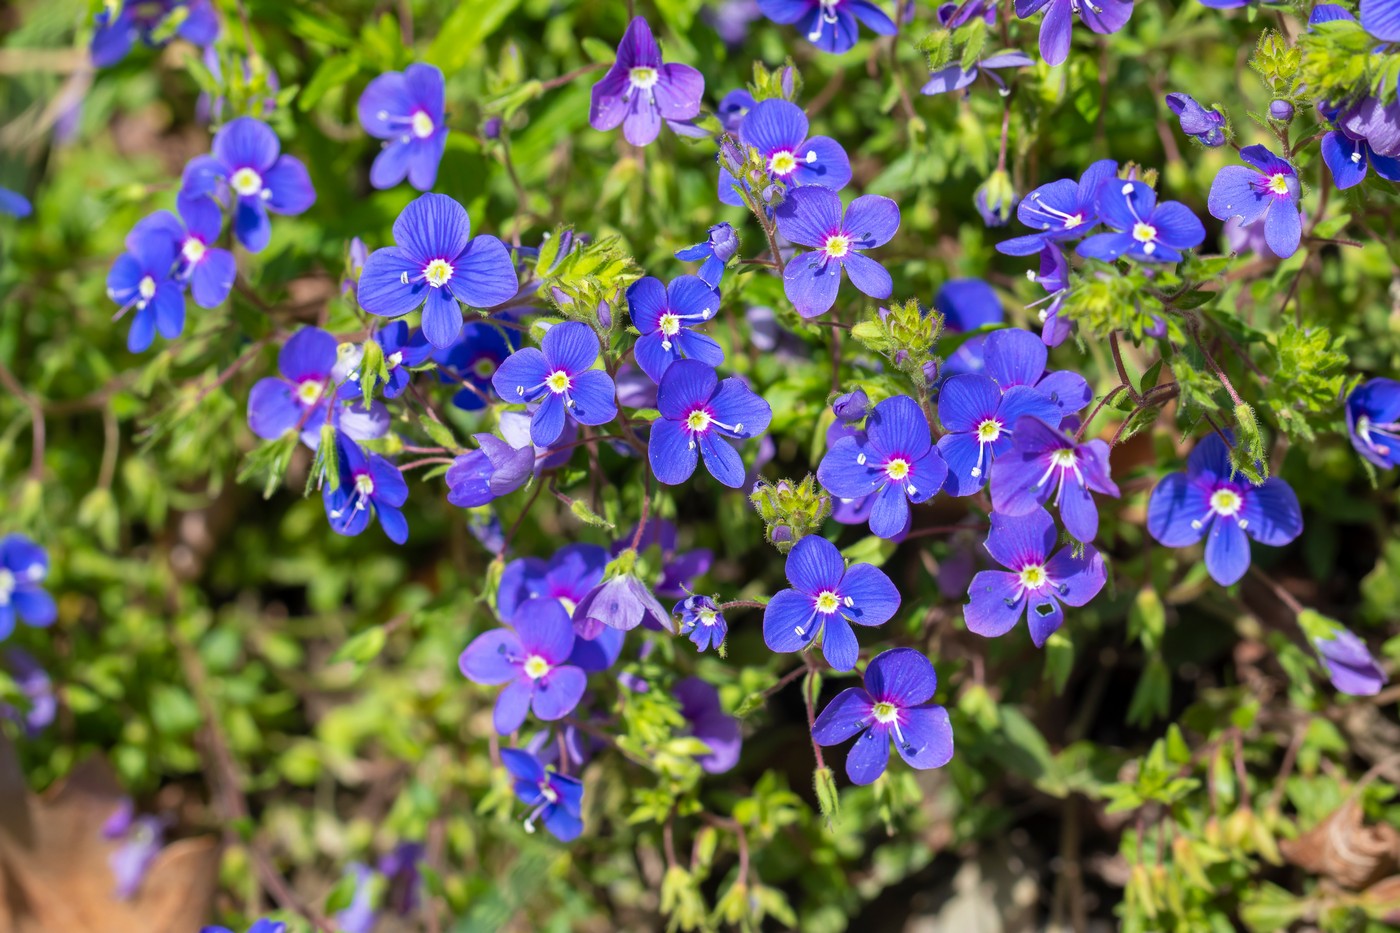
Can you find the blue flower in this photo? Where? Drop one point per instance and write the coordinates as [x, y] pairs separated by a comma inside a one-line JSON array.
[[719, 247], [247, 161], [1044, 460], [664, 316], [1269, 190], [997, 599], [403, 349], [812, 216], [827, 596], [702, 622], [896, 704], [1146, 231], [561, 372], [1015, 357], [369, 484], [831, 25], [1349, 663], [531, 659], [556, 799], [698, 410], [407, 110], [1209, 501], [144, 278], [14, 203], [979, 418], [1207, 126], [567, 577], [622, 602], [436, 261], [473, 359], [1373, 421], [967, 305], [303, 398], [1054, 278], [1347, 159], [639, 90], [1102, 17], [954, 77], [120, 25], [777, 129], [493, 470], [1061, 210], [23, 567], [260, 926], [895, 461], [707, 721]]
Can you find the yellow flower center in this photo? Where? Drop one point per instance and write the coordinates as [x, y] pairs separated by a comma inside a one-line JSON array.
[[644, 78], [782, 163], [557, 382], [837, 246], [707, 616], [670, 324], [146, 288], [1144, 233], [827, 602], [309, 392], [885, 712], [438, 272], [193, 250], [1063, 458], [1226, 502], [364, 483], [536, 667], [698, 420], [1033, 577], [568, 604], [246, 182], [1278, 184], [988, 431], [897, 469], [484, 368], [422, 125]]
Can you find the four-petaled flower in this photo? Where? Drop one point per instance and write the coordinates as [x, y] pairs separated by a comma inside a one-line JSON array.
[[493, 470], [144, 278], [1146, 230], [699, 410], [778, 130], [827, 596], [665, 314], [1373, 421], [1044, 460], [1207, 126], [831, 25], [1023, 544], [702, 622], [436, 264], [561, 372], [811, 216], [555, 799], [247, 161], [1062, 210], [368, 483], [1208, 499], [531, 660], [567, 577], [639, 90], [23, 567], [407, 110], [893, 459], [896, 704], [979, 419], [1270, 190], [1101, 16], [304, 397], [119, 25]]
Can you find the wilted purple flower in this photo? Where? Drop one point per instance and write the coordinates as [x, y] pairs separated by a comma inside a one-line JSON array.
[[639, 91], [24, 566], [1270, 190], [561, 372], [369, 485], [664, 316], [777, 129], [812, 216], [531, 660], [895, 703], [436, 261], [702, 622], [827, 597], [1145, 230], [622, 602], [831, 25], [997, 599], [1062, 210], [1349, 664], [1102, 17], [1044, 460], [407, 110], [709, 723], [567, 577], [678, 570], [247, 161], [120, 25], [1206, 126], [995, 198], [303, 399], [141, 839], [954, 77], [1209, 500], [556, 799], [34, 682], [699, 410], [895, 461], [719, 247], [493, 470], [1373, 421], [1377, 123]]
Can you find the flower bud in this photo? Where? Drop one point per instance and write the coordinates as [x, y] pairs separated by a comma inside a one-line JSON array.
[[1281, 110]]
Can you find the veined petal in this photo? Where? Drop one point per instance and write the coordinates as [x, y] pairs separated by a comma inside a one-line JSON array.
[[788, 623], [810, 282], [1014, 357], [1017, 541], [1227, 551], [870, 755], [1077, 579], [993, 607], [571, 346], [670, 452], [432, 226], [965, 401], [928, 737], [594, 397], [868, 275], [849, 713], [774, 125], [902, 677], [814, 564], [1177, 511], [809, 215], [483, 275], [685, 384], [487, 660], [872, 220], [839, 645], [874, 598]]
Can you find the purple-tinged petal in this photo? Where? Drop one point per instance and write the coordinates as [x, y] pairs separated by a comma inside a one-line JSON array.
[[774, 125], [1283, 229], [722, 460], [288, 187], [902, 677], [927, 737], [993, 607], [213, 277], [492, 657], [246, 143], [965, 401], [889, 516], [442, 318], [814, 564], [1271, 513], [1381, 18], [547, 424], [432, 226], [843, 475], [544, 629], [1233, 194], [513, 705], [870, 755], [1077, 579], [1014, 357], [519, 375], [849, 713], [872, 220], [1016, 541], [272, 409], [822, 161], [381, 289], [571, 346], [559, 691], [809, 215], [1044, 616], [1055, 32], [594, 397], [875, 599], [687, 383]]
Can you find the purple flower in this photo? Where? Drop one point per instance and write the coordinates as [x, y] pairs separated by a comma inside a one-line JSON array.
[[141, 838], [719, 247], [1373, 421], [24, 566], [400, 866], [954, 77], [473, 359], [1044, 460], [1054, 278], [997, 599], [14, 204], [1146, 231], [1207, 126], [664, 314], [1208, 500], [436, 261], [247, 161], [1377, 123], [1349, 664], [708, 722], [639, 91], [1014, 357], [697, 409], [567, 577], [407, 110], [967, 305], [812, 216], [702, 622], [827, 596], [561, 372], [979, 418], [368, 484], [493, 470], [1061, 210], [556, 799], [1381, 18], [360, 916], [120, 25], [895, 703], [732, 109], [1102, 17], [36, 685], [895, 461], [303, 398], [531, 660], [1348, 159], [1270, 190], [261, 926], [830, 25], [778, 130], [144, 278], [1281, 110], [678, 571], [403, 350], [623, 603]]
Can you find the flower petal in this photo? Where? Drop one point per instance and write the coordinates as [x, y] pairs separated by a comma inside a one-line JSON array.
[[850, 712], [774, 125], [1227, 551], [487, 659], [927, 737], [1014, 357], [869, 756], [811, 282], [787, 621], [432, 226], [1078, 579], [381, 289], [483, 275], [594, 397], [558, 692], [965, 401], [1177, 511], [875, 599], [889, 516], [839, 645], [1271, 513], [809, 215], [686, 383], [993, 607], [721, 459], [868, 275], [901, 676], [670, 452], [512, 706], [814, 564], [1017, 541], [871, 220], [822, 161], [246, 143], [571, 346]]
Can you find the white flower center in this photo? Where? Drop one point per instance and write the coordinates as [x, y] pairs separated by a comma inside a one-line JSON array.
[[557, 382], [422, 125], [707, 616], [536, 667], [885, 712], [7, 586], [897, 469], [364, 484], [1144, 233], [309, 392], [782, 163], [1278, 183], [1033, 576], [246, 182], [643, 78], [837, 245], [1226, 502], [698, 420], [438, 272], [193, 250], [670, 324], [146, 288], [1073, 220], [1063, 458], [988, 431], [827, 602], [395, 359]]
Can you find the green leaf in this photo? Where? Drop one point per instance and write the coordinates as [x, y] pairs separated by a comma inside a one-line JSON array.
[[332, 72], [464, 30], [363, 647]]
